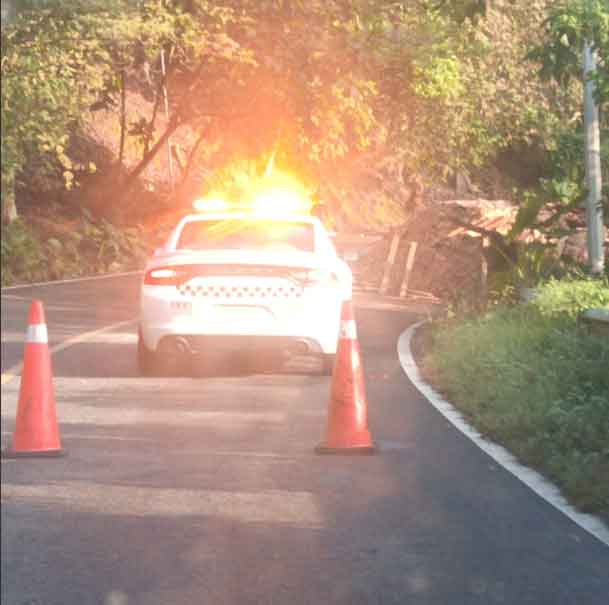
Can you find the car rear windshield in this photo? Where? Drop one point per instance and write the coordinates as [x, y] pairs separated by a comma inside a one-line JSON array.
[[249, 234]]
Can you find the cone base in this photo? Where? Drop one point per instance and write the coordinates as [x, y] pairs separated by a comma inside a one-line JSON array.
[[359, 450], [11, 454]]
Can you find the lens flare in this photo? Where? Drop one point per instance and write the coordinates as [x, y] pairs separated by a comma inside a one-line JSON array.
[[211, 205], [275, 193], [280, 201]]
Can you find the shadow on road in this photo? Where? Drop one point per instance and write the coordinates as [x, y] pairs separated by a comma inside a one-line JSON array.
[[108, 360]]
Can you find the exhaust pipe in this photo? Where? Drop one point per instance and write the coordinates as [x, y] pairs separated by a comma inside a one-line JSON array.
[[176, 347], [182, 347], [299, 347]]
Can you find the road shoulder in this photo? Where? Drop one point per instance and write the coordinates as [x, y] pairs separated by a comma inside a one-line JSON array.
[[536, 482]]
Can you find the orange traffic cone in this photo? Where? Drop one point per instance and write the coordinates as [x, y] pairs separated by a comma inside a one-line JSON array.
[[36, 433], [347, 430]]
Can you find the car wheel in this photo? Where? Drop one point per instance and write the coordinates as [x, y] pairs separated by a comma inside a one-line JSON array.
[[327, 361], [148, 362]]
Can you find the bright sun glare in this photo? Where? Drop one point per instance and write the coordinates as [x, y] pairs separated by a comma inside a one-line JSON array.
[[277, 193]]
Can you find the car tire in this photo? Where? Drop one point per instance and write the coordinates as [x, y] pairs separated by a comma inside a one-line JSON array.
[[148, 362], [327, 362]]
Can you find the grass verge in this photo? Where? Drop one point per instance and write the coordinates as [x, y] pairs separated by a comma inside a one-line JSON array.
[[529, 377]]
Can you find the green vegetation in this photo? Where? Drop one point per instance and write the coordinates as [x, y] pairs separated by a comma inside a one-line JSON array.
[[80, 247], [530, 378], [567, 26], [405, 90]]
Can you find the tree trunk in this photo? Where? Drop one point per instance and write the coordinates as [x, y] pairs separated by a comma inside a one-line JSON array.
[[151, 122], [174, 123], [149, 156], [187, 168], [157, 100], [123, 119], [166, 103], [7, 194], [193, 154], [9, 208]]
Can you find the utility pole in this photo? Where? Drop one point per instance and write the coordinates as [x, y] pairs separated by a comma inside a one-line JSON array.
[[7, 11], [594, 209]]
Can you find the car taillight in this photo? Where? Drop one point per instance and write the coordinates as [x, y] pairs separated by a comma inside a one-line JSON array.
[[165, 276]]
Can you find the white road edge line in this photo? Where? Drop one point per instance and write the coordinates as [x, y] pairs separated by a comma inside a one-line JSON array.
[[70, 281], [532, 479], [16, 369]]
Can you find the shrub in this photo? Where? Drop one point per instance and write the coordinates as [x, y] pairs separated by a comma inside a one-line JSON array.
[[568, 298], [21, 254], [92, 247]]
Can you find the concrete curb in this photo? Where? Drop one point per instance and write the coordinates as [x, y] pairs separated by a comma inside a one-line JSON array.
[[532, 479]]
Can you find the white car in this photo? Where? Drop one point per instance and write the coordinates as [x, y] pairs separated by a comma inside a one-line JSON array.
[[242, 281]]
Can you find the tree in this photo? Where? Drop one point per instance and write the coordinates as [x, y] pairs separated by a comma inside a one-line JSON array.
[[429, 88], [571, 27], [57, 61]]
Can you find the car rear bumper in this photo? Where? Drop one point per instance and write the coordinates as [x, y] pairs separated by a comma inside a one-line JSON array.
[[313, 322]]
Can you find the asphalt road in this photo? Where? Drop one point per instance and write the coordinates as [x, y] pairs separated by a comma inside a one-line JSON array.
[[206, 489]]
